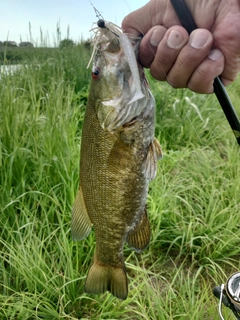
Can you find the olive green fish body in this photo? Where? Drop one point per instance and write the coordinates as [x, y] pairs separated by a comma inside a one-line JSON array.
[[118, 158]]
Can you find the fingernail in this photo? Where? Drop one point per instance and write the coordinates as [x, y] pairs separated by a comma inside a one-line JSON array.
[[215, 54], [156, 38], [198, 39], [175, 39]]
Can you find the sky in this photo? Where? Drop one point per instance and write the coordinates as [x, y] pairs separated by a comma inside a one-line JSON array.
[[43, 16]]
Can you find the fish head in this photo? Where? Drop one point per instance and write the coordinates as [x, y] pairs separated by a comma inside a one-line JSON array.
[[112, 85], [109, 68]]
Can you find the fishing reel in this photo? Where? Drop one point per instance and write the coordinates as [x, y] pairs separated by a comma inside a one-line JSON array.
[[229, 295]]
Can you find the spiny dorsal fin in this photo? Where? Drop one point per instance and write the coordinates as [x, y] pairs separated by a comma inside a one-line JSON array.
[[81, 223], [154, 154]]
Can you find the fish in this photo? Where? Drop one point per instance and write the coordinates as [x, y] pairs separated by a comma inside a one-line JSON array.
[[118, 159]]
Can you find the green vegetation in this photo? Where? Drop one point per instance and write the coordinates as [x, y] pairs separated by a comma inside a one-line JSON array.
[[26, 51], [194, 202], [66, 43]]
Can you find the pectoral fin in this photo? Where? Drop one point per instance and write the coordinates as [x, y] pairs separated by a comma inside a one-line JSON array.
[[81, 223], [158, 148], [139, 237], [154, 154], [114, 113]]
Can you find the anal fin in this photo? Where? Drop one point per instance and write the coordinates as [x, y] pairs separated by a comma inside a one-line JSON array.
[[81, 224], [139, 237]]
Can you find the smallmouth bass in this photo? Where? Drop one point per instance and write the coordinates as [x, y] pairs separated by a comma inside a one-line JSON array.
[[118, 158]]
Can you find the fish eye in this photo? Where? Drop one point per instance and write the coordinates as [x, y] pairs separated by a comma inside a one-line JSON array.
[[95, 73]]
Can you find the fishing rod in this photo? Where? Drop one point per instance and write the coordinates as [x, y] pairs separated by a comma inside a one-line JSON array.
[[189, 24], [229, 295]]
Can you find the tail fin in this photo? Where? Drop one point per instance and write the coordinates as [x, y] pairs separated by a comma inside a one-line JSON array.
[[103, 278]]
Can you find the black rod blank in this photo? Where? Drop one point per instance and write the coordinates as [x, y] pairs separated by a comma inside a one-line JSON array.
[[189, 24]]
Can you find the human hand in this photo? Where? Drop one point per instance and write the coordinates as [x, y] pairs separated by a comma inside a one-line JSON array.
[[189, 61]]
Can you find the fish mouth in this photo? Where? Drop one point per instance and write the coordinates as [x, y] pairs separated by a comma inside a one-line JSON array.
[[110, 46], [118, 51], [105, 39]]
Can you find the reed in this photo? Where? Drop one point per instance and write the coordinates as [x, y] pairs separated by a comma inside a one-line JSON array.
[[193, 204]]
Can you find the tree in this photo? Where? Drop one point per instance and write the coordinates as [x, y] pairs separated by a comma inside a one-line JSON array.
[[26, 44], [66, 43], [10, 43]]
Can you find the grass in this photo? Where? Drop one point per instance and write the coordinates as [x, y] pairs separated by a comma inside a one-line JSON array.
[[193, 203]]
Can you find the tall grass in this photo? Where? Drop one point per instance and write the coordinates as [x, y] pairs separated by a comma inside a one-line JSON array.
[[193, 203]]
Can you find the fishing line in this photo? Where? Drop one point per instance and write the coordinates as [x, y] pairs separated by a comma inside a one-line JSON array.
[[189, 24], [101, 23], [98, 14], [183, 109]]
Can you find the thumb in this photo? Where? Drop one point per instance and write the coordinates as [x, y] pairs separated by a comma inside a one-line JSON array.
[[154, 13], [137, 22]]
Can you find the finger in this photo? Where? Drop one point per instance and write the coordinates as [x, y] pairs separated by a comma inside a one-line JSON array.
[[227, 39], [153, 13], [168, 49], [227, 81], [203, 77], [231, 68], [149, 45], [190, 57]]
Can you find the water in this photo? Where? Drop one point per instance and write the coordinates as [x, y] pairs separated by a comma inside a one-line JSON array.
[[9, 69]]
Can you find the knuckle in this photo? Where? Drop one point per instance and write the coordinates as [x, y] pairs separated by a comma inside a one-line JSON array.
[[160, 67], [175, 83], [158, 74], [201, 80], [184, 62]]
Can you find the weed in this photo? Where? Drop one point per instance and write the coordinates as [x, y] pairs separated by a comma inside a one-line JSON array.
[[193, 204]]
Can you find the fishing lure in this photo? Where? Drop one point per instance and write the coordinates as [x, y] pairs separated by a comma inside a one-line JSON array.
[[126, 46]]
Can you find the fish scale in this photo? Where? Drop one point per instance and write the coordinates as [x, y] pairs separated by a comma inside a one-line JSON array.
[[117, 161]]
